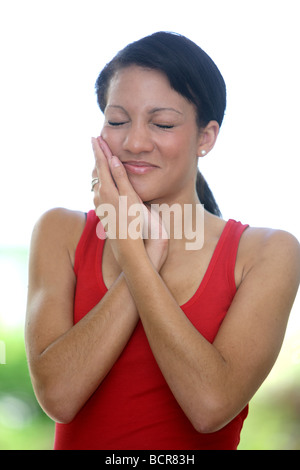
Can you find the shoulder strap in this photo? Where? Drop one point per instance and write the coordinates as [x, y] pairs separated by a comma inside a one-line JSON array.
[[230, 252], [222, 266], [89, 229]]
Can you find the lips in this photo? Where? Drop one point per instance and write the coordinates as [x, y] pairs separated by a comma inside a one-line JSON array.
[[139, 167]]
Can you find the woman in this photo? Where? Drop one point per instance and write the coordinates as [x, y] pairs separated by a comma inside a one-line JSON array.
[[141, 343]]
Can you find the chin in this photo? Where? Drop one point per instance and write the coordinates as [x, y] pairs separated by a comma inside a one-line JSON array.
[[143, 190], [147, 196]]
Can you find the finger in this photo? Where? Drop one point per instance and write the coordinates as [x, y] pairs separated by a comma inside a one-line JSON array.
[[102, 167], [104, 147], [120, 176]]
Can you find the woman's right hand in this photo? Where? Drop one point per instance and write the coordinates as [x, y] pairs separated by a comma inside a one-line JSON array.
[[154, 233]]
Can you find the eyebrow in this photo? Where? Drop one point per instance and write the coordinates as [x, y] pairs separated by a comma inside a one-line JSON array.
[[156, 110], [152, 111]]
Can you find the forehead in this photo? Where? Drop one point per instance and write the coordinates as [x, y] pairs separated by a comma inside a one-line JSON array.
[[137, 86]]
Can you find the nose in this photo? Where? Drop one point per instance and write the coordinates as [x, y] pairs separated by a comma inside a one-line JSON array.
[[138, 139]]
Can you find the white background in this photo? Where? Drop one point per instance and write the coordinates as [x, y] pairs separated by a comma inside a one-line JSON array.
[[51, 54]]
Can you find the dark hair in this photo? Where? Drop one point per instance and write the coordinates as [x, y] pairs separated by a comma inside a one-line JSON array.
[[190, 71]]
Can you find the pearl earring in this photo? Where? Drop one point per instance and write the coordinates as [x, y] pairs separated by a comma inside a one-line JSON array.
[[203, 152]]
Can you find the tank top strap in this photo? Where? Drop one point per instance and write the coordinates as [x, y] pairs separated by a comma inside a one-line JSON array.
[[235, 231], [91, 233], [226, 251]]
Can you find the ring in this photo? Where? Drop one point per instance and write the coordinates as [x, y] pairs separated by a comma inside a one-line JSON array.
[[94, 181]]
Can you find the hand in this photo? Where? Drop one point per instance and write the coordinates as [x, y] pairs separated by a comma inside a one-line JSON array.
[[116, 194], [117, 204]]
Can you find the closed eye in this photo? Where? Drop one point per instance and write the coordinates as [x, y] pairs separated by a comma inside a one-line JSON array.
[[113, 123], [164, 126], [121, 123]]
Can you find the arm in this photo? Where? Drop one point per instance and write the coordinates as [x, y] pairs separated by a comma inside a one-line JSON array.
[[67, 363], [213, 382]]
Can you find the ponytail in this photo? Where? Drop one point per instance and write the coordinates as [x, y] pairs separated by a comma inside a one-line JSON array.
[[206, 196]]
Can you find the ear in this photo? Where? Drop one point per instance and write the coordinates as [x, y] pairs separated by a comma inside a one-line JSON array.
[[207, 138]]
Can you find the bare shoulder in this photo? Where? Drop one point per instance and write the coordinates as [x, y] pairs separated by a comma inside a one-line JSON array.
[[61, 219], [51, 261], [267, 242], [59, 227], [52, 281], [278, 249]]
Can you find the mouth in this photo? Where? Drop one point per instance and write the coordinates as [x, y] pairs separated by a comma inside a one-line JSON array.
[[139, 167]]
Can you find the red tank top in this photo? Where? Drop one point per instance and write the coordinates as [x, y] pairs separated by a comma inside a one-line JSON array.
[[133, 408]]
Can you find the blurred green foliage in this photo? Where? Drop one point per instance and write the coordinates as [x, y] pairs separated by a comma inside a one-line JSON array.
[[273, 421], [23, 425]]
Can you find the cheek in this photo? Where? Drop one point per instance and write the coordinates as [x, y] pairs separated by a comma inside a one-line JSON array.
[[175, 155], [113, 139], [104, 133]]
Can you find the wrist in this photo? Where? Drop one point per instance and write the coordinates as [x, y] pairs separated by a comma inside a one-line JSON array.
[[129, 253], [157, 252]]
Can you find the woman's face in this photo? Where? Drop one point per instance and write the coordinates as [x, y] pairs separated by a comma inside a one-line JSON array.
[[153, 131]]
